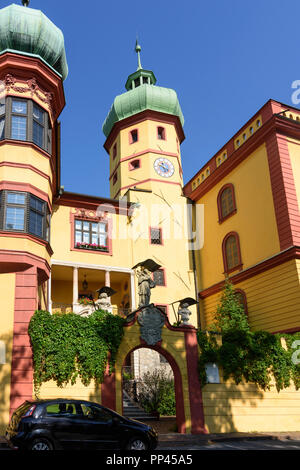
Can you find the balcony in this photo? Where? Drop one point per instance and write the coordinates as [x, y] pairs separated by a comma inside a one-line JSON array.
[[70, 283]]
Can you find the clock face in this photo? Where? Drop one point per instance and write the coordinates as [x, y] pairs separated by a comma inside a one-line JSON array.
[[164, 167]]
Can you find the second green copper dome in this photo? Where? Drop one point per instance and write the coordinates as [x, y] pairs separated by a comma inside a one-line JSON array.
[[139, 99]]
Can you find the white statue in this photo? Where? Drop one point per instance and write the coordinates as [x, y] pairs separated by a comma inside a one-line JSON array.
[[184, 313], [103, 302]]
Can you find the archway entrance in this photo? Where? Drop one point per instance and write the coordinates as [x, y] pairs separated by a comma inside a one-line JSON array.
[[145, 372], [178, 345]]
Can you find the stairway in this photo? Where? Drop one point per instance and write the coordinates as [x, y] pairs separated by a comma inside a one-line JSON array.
[[133, 410]]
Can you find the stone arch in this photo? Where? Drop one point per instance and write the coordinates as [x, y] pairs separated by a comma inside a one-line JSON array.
[[180, 414]]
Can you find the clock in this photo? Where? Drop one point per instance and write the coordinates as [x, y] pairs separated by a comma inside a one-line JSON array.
[[164, 167]]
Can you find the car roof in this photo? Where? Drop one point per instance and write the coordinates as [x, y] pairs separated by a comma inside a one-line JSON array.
[[61, 400]]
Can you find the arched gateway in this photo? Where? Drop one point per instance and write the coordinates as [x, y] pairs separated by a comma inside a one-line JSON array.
[[179, 346]]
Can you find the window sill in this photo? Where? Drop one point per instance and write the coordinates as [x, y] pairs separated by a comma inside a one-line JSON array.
[[92, 249], [28, 236], [25, 142], [236, 268]]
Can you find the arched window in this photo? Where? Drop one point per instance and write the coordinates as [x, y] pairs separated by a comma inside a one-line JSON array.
[[231, 252], [226, 202], [242, 298]]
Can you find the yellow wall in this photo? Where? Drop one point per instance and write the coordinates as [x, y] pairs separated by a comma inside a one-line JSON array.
[[24, 244], [246, 408], [148, 138], [254, 221], [77, 391], [61, 241], [7, 303], [27, 156], [147, 132], [173, 255], [273, 298], [25, 176]]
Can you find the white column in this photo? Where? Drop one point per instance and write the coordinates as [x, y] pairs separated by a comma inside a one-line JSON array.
[[107, 284], [75, 287], [107, 278], [132, 291]]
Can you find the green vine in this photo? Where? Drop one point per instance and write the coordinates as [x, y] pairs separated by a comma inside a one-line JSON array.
[[69, 346], [245, 355]]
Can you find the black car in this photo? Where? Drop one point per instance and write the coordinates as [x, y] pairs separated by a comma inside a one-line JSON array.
[[75, 424]]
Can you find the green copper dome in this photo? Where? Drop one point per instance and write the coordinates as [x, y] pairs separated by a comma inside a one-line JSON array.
[[142, 94], [28, 31], [139, 99]]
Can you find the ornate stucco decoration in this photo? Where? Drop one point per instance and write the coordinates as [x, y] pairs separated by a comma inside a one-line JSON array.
[[30, 86], [88, 214]]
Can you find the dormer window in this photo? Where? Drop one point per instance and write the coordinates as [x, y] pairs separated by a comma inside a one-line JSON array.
[[133, 136]]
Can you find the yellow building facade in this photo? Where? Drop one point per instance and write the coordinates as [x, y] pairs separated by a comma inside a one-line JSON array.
[[251, 229]]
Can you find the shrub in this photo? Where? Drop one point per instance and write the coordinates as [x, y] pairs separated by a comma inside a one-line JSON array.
[[156, 393], [252, 356]]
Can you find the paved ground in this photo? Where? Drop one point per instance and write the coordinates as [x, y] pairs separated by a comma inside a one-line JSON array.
[[233, 444], [229, 441]]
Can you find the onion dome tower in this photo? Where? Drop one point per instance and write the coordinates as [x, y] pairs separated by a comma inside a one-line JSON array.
[[143, 131], [32, 69]]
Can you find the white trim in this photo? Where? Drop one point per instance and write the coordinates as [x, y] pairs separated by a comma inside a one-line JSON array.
[[132, 291], [75, 287], [49, 293]]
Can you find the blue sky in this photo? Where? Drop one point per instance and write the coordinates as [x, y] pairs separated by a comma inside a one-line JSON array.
[[224, 58]]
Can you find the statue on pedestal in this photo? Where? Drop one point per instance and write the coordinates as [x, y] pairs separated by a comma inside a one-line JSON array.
[[145, 284], [103, 303], [184, 313], [145, 281]]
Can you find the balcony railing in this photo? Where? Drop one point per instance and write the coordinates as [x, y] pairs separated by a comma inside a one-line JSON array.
[[58, 307], [61, 308]]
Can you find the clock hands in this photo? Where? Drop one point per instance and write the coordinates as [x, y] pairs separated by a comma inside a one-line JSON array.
[[164, 167]]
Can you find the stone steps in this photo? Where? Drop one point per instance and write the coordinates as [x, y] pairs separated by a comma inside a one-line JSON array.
[[134, 411]]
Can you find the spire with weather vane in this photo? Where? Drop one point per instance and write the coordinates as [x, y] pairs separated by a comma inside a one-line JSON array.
[[138, 50]]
